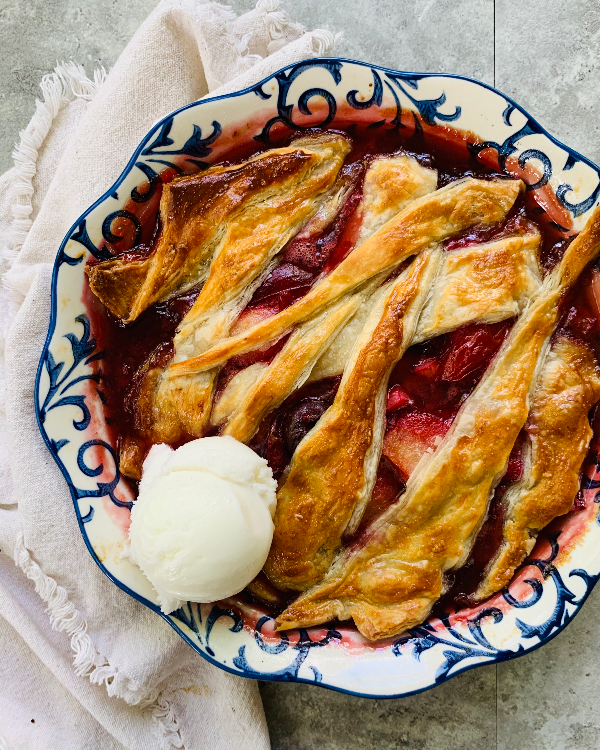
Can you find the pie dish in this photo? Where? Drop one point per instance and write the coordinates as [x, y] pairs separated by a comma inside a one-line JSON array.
[[384, 285]]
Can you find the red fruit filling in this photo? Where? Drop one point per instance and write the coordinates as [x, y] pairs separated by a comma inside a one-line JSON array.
[[397, 398], [389, 485], [411, 436], [281, 432], [470, 349], [284, 285], [580, 310], [438, 375], [305, 258]]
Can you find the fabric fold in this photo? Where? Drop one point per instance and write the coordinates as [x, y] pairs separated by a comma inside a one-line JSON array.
[[122, 670]]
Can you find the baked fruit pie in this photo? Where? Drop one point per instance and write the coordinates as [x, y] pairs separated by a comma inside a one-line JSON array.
[[412, 348]]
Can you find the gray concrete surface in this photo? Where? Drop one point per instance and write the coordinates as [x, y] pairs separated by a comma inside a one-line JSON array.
[[546, 56]]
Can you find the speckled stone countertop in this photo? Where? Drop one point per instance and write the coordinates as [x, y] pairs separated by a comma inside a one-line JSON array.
[[546, 56]]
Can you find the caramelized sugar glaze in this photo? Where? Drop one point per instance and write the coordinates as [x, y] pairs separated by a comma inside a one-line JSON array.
[[427, 386]]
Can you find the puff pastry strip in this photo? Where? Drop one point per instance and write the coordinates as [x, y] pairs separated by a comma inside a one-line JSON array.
[[391, 582], [425, 222], [559, 435], [480, 284], [237, 215], [255, 395], [484, 283], [290, 368], [390, 184], [333, 469]]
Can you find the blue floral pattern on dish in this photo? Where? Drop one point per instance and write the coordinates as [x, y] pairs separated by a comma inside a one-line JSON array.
[[549, 589]]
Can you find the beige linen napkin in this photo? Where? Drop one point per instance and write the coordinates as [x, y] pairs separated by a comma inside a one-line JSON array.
[[83, 665]]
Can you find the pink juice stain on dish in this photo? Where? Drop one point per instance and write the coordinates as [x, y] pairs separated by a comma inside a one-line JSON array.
[[568, 530], [96, 456], [349, 638]]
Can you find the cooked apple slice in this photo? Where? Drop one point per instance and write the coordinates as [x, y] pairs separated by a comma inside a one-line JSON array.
[[413, 436]]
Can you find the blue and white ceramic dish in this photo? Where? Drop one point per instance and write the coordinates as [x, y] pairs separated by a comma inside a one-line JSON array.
[[555, 581]]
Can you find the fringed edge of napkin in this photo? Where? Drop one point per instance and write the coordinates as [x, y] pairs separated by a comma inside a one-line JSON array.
[[67, 83], [88, 662], [278, 23]]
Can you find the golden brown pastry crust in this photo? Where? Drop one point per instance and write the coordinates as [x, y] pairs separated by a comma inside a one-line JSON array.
[[169, 410], [479, 284], [131, 457], [391, 183], [390, 583], [333, 470], [347, 180], [579, 253], [425, 222], [289, 369], [182, 406], [397, 181], [117, 283], [484, 283], [235, 392], [559, 434], [235, 214]]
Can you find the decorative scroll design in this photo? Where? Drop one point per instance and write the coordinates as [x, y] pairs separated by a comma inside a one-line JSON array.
[[153, 183], [62, 380], [428, 108], [122, 214], [83, 351], [302, 648], [285, 110], [191, 616], [509, 147], [102, 488], [194, 150], [81, 235], [215, 614], [476, 646]]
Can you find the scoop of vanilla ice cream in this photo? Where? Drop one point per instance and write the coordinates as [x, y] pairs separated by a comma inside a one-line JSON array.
[[202, 525]]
